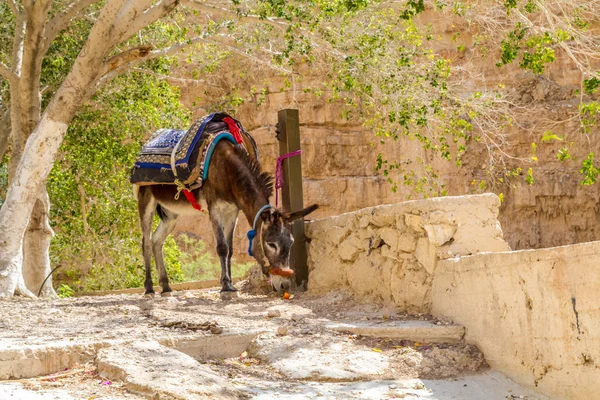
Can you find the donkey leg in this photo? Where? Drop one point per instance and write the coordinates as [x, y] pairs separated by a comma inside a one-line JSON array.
[[228, 231], [223, 217], [146, 209], [164, 228]]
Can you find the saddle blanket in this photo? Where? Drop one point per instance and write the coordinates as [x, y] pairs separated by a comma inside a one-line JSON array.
[[175, 154]]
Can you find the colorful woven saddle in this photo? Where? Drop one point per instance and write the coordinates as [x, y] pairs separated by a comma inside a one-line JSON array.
[[175, 156]]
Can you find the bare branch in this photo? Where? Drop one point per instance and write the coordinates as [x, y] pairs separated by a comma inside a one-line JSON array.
[[126, 57], [172, 78], [110, 74], [7, 73], [149, 16], [19, 39], [14, 8], [62, 20], [28, 5], [220, 11]]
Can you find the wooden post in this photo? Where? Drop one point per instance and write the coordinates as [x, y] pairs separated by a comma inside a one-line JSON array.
[[288, 134]]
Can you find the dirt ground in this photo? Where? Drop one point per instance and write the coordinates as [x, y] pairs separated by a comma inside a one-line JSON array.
[[260, 345]]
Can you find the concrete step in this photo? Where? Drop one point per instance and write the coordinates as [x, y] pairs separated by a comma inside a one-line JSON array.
[[490, 385], [156, 371], [418, 331]]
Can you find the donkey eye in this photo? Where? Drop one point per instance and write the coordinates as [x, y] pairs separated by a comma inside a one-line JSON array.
[[272, 245]]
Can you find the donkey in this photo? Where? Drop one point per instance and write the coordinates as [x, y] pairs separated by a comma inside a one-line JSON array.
[[235, 182]]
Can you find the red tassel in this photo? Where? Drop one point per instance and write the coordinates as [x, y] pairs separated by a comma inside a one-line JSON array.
[[234, 129], [192, 199]]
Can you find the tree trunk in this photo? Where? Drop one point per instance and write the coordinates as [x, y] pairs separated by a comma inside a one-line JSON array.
[[33, 259], [118, 20], [36, 248], [33, 170], [5, 127], [11, 278]]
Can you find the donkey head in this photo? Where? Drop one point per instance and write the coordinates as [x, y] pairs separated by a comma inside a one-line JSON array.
[[276, 242]]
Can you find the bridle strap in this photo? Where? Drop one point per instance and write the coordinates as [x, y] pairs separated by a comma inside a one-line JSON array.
[[252, 233]]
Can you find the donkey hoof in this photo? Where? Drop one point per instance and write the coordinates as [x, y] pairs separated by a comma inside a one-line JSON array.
[[149, 295], [229, 295], [166, 294]]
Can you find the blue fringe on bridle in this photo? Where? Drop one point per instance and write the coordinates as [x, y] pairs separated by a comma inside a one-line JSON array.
[[252, 232]]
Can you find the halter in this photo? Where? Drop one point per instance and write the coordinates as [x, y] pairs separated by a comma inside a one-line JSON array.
[[252, 232]]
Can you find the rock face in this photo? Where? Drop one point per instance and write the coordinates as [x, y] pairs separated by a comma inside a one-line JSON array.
[[389, 254], [339, 156]]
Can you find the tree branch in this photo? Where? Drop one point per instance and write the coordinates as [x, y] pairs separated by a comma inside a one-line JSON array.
[[219, 11], [173, 78], [17, 49], [61, 21], [149, 16], [126, 57], [7, 73], [111, 73], [14, 8], [5, 128]]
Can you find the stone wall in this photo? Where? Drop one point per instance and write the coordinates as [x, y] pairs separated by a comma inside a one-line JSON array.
[[389, 254], [535, 314]]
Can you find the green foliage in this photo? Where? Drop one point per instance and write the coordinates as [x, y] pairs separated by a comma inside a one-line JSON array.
[[563, 154], [529, 178], [94, 213], [508, 4], [413, 8], [590, 86], [550, 136], [537, 49], [64, 291], [198, 264], [588, 113], [511, 46], [589, 171]]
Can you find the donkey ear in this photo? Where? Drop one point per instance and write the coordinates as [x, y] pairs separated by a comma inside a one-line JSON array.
[[300, 214], [267, 215]]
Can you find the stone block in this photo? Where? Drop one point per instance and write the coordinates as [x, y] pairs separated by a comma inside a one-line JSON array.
[[390, 236], [383, 216], [336, 235], [364, 221], [387, 252], [426, 255], [349, 249], [414, 222], [439, 234], [407, 242], [410, 288]]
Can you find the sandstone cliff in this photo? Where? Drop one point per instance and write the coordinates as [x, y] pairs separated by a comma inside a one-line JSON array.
[[339, 156]]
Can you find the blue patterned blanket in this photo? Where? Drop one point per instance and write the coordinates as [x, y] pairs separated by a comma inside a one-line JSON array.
[[175, 154]]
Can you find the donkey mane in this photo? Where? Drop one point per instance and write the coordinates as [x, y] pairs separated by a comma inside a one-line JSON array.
[[264, 180]]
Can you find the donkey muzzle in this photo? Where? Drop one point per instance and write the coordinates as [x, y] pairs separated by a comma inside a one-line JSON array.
[[282, 284]]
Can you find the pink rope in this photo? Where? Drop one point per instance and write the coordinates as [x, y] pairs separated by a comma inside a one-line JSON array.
[[279, 181]]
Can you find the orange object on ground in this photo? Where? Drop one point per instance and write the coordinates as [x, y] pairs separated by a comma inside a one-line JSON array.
[[286, 273], [286, 296]]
